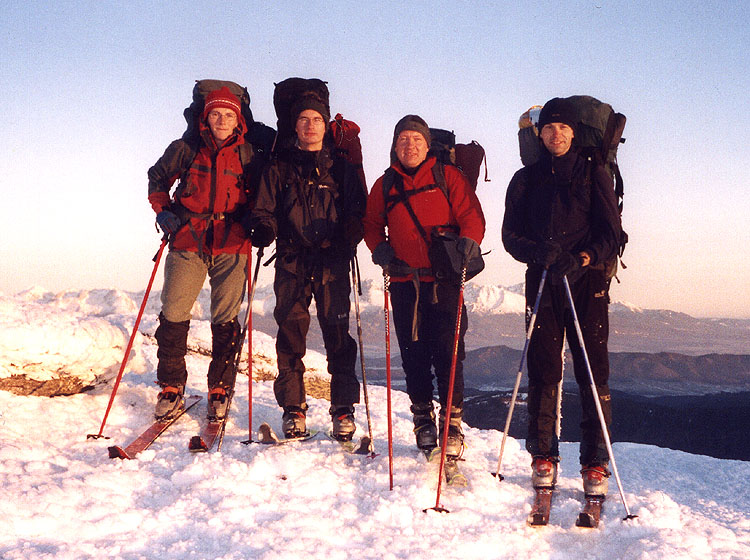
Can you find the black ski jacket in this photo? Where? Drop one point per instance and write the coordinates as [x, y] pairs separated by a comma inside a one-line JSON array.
[[313, 202], [567, 200]]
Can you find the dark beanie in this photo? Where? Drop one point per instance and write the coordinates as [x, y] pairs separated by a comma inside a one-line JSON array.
[[415, 123], [558, 110], [222, 97], [310, 101]]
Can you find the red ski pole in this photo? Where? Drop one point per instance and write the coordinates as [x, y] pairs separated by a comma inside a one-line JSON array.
[[157, 258], [449, 398], [386, 284]]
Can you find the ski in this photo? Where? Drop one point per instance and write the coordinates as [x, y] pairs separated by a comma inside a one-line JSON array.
[[364, 447], [453, 475], [211, 433], [149, 435], [267, 436], [539, 515], [592, 510]]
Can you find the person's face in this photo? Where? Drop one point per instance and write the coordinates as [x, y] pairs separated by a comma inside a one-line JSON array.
[[411, 148], [310, 128], [557, 138], [222, 122]]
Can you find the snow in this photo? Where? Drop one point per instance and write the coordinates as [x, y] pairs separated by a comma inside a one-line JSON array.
[[66, 499]]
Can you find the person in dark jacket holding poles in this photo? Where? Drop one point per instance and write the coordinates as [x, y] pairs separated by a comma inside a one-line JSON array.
[[312, 203], [424, 310], [206, 238], [561, 215]]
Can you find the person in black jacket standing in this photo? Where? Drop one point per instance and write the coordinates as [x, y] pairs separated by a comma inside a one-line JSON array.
[[312, 204], [561, 215]]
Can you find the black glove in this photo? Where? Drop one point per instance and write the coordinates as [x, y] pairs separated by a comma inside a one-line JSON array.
[[354, 231], [262, 235], [546, 253], [566, 264], [168, 221], [468, 248], [383, 254]]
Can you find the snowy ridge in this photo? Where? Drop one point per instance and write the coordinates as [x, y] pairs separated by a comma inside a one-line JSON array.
[[66, 499]]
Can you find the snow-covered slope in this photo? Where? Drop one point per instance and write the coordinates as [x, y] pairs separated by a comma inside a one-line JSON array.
[[64, 498]]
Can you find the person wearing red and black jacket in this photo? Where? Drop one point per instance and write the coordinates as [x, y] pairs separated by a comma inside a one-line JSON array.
[[561, 214], [206, 238], [424, 311], [312, 203]]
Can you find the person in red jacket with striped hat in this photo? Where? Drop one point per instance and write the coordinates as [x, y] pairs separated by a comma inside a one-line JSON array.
[[424, 310], [206, 239]]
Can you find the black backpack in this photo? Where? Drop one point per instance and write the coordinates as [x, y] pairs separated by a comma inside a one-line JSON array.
[[285, 95], [599, 132]]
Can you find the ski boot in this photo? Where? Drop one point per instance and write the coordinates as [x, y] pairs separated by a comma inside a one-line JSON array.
[[595, 480], [424, 426], [454, 447], [293, 421], [342, 418], [544, 472], [168, 401], [218, 403]]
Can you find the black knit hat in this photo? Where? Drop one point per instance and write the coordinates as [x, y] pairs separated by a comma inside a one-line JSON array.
[[310, 101], [415, 123], [558, 110]]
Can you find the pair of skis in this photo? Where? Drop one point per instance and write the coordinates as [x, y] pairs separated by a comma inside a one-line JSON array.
[[540, 511], [211, 432], [267, 436]]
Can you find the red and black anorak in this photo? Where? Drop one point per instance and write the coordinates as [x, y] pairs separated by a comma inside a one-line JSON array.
[[431, 207], [211, 196]]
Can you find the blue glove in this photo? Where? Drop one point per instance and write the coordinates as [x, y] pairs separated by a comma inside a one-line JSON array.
[[383, 254], [168, 221]]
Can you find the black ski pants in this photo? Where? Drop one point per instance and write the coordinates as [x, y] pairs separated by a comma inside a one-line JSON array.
[[436, 324], [554, 323], [298, 279]]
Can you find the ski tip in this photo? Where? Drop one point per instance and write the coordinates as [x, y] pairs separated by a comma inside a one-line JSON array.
[[586, 521], [117, 452], [197, 445]]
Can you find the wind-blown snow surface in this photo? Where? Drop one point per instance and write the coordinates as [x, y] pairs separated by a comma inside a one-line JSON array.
[[64, 498]]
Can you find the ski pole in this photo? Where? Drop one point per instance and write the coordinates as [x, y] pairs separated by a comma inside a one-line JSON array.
[[357, 287], [595, 394], [529, 332], [386, 285], [249, 327], [449, 398], [157, 258]]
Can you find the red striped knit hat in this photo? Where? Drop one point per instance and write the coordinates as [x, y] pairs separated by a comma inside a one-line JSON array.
[[222, 98]]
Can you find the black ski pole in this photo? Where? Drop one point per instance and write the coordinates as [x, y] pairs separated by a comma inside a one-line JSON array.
[[249, 328], [595, 394], [529, 332], [449, 398], [129, 347], [357, 288]]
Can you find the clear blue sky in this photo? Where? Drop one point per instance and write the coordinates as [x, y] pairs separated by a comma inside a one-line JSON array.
[[94, 92]]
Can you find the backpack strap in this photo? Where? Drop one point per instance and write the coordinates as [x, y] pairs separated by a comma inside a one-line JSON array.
[[391, 178]]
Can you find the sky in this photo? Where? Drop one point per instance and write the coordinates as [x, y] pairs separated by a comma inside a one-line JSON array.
[[94, 92]]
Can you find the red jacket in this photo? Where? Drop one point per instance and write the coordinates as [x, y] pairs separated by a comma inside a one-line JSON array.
[[432, 209], [211, 196]]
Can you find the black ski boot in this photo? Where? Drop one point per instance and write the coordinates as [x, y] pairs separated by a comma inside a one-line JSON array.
[[293, 421], [424, 425], [342, 418]]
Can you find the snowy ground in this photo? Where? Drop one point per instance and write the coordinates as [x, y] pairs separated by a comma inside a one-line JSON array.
[[66, 499]]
